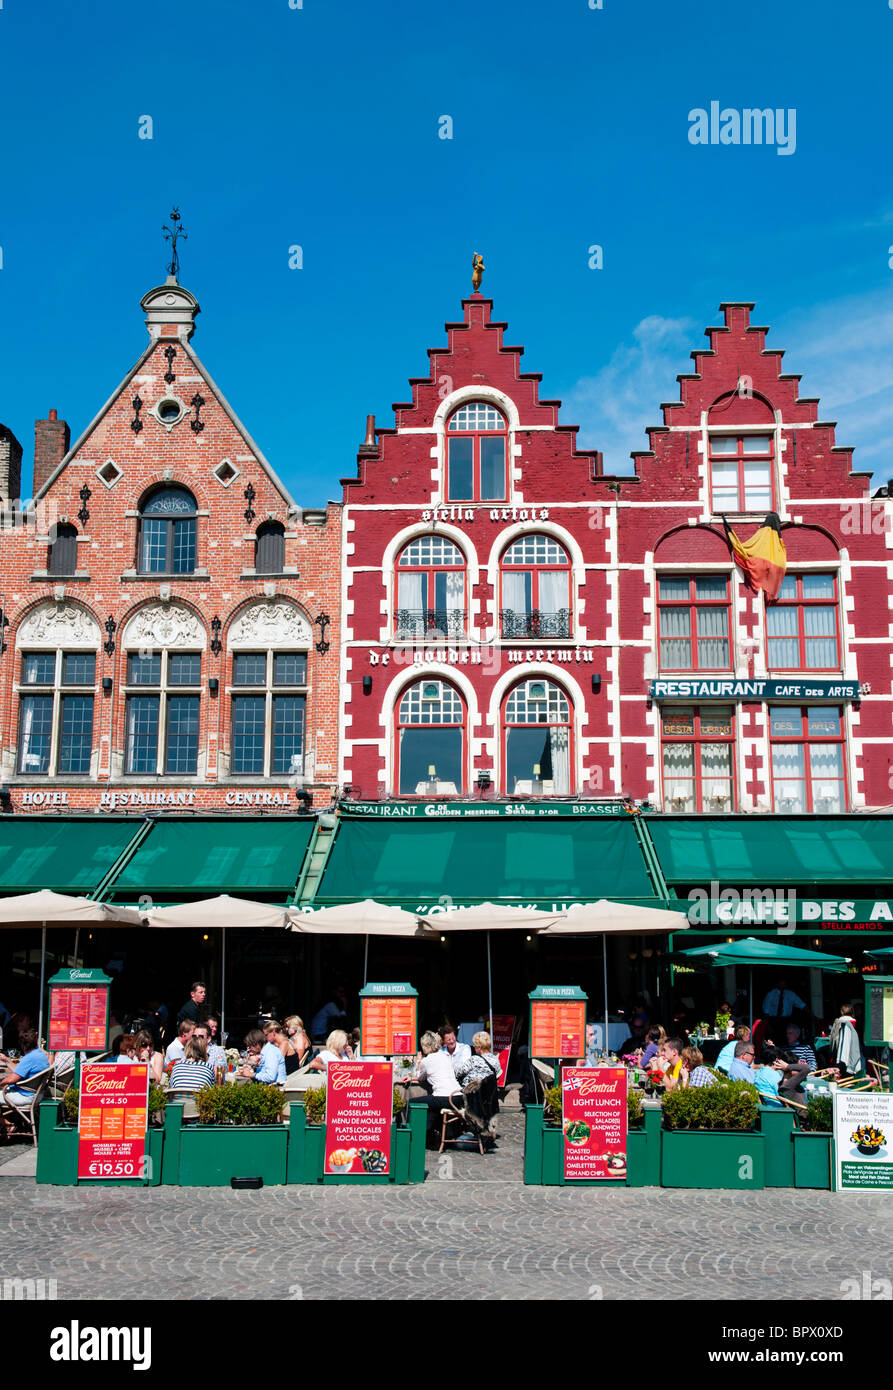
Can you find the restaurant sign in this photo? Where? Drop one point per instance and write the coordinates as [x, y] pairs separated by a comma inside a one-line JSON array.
[[863, 1141], [692, 688], [476, 810], [359, 1113], [79, 1011], [113, 1109], [593, 1116], [786, 910]]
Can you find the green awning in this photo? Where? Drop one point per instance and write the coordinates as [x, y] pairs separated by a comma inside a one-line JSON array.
[[774, 850], [538, 862], [68, 854], [259, 857]]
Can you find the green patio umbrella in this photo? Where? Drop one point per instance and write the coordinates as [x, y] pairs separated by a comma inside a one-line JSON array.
[[753, 950]]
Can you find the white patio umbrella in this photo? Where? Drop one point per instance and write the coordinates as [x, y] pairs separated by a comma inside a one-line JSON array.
[[222, 911], [491, 917], [365, 918], [59, 910], [605, 918]]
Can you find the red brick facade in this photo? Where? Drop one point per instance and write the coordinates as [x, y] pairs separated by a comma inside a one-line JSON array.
[[103, 604], [583, 638]]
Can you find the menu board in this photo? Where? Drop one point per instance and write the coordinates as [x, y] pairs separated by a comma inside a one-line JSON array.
[[502, 1034], [879, 1013], [863, 1141], [388, 1024], [593, 1115], [557, 1027], [113, 1109], [78, 1018], [359, 1113]]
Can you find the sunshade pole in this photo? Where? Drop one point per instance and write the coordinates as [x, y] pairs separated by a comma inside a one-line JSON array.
[[77, 937], [751, 1001], [605, 969], [489, 990], [366, 962], [43, 961], [222, 985]]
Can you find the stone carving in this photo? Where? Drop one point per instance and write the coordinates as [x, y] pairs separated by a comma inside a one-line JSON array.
[[270, 624], [163, 625], [59, 625]]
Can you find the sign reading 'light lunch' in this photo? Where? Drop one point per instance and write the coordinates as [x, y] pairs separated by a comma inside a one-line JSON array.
[[694, 689]]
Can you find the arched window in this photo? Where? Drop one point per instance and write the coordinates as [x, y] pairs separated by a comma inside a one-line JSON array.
[[430, 752], [63, 556], [270, 548], [476, 449], [536, 723], [536, 589], [430, 589], [167, 532]]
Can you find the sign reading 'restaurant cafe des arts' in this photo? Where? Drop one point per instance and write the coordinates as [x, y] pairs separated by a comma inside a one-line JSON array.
[[719, 689]]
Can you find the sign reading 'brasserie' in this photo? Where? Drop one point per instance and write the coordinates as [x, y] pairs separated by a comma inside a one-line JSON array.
[[694, 689]]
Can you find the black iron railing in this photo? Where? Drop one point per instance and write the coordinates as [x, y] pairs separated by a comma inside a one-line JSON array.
[[430, 622], [535, 623]]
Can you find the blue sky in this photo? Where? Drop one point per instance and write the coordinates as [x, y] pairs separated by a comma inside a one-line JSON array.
[[319, 127]]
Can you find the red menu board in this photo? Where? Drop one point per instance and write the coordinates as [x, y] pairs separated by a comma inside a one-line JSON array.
[[557, 1027], [593, 1111], [112, 1113], [388, 1024], [502, 1033], [359, 1111], [78, 1018]]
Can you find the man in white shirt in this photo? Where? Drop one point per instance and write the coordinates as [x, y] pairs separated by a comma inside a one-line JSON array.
[[781, 1002], [177, 1049], [458, 1053]]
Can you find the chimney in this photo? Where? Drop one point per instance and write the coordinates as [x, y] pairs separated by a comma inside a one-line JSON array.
[[10, 466], [369, 445], [51, 440]]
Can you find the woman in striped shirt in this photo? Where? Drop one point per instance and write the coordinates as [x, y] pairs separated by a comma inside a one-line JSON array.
[[193, 1072]]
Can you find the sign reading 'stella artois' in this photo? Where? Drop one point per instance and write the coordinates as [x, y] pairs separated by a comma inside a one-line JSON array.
[[359, 1110], [113, 1109], [593, 1113]]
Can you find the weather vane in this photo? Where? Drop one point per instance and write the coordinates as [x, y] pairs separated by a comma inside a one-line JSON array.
[[172, 234]]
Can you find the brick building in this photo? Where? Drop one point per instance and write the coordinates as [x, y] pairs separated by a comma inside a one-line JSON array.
[[171, 616]]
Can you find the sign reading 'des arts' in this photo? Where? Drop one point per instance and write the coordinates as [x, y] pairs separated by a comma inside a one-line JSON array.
[[79, 1011], [359, 1111], [557, 1021], [593, 1119], [863, 1141], [694, 689], [113, 1110]]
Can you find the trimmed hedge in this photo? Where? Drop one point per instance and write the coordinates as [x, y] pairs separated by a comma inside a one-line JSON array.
[[729, 1105], [252, 1104], [819, 1114]]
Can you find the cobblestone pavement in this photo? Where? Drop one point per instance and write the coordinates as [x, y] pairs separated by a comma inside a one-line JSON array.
[[471, 1230]]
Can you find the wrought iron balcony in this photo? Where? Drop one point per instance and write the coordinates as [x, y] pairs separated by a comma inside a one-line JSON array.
[[535, 623], [430, 622]]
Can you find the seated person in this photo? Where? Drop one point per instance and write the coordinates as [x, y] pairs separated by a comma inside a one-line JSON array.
[[434, 1069], [337, 1049], [32, 1061], [177, 1049], [265, 1062], [458, 1053], [671, 1056], [781, 1073], [127, 1047], [145, 1052], [742, 1067], [694, 1073], [654, 1038], [216, 1054], [481, 1065], [300, 1042], [193, 1072], [727, 1054], [801, 1050]]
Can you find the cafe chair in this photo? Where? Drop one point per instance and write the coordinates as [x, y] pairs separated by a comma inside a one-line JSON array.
[[36, 1084]]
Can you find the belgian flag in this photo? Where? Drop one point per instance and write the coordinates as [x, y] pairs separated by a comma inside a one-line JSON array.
[[763, 558]]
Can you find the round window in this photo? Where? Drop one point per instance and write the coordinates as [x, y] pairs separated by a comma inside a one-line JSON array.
[[168, 411]]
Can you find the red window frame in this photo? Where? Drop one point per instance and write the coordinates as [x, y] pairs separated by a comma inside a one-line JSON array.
[[476, 436], [398, 725], [700, 714], [534, 568], [801, 603], [742, 458], [505, 726], [807, 740], [430, 570], [692, 603]]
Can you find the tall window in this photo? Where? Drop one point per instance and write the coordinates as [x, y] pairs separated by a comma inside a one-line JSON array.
[[698, 748], [537, 740], [56, 720], [162, 719], [430, 740], [801, 624], [269, 708], [742, 472], [270, 548], [536, 589], [167, 532], [476, 451], [693, 623], [807, 758], [63, 553], [430, 589]]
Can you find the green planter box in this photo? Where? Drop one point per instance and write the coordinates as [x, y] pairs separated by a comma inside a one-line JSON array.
[[713, 1158], [211, 1155], [777, 1127], [544, 1155], [812, 1159], [57, 1154], [307, 1146]]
